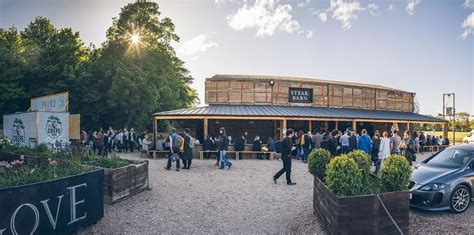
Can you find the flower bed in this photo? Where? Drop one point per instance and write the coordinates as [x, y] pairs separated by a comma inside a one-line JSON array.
[[122, 178], [46, 196], [349, 200]]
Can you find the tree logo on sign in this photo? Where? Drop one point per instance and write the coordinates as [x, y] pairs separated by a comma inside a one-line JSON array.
[[18, 135], [54, 127]]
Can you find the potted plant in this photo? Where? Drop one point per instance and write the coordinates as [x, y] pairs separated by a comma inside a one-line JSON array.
[[350, 200]]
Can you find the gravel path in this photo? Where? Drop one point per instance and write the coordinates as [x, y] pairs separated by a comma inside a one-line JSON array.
[[204, 199], [241, 200]]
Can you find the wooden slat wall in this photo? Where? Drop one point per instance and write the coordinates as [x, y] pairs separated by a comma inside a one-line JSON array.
[[324, 95]]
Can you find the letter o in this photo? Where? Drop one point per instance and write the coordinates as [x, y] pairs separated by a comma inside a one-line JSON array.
[[12, 221]]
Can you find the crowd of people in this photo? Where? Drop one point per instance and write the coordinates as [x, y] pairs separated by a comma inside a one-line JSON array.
[[294, 145], [102, 142]]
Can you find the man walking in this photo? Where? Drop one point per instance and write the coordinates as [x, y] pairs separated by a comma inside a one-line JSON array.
[[286, 158], [174, 148]]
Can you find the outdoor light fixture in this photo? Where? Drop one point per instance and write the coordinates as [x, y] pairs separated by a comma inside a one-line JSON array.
[[271, 82]]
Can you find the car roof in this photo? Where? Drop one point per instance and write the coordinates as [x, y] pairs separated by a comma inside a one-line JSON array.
[[469, 147]]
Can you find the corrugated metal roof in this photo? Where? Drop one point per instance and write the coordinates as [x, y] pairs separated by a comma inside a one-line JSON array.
[[292, 111], [235, 77]]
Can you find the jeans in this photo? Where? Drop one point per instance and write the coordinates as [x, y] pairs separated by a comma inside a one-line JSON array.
[[223, 160], [305, 154]]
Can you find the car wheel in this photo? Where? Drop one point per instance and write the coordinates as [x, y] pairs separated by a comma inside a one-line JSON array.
[[460, 199]]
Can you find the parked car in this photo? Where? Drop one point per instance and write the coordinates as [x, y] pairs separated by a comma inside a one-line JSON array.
[[444, 181], [469, 138]]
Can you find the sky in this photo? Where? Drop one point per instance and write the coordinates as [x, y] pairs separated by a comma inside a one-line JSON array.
[[421, 46]]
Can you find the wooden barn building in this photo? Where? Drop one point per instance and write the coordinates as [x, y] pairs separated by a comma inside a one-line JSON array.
[[252, 105]]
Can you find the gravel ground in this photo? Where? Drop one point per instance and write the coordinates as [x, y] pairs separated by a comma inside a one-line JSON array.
[[241, 200], [204, 199]]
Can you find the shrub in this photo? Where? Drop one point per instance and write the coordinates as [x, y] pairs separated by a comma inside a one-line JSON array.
[[343, 176], [112, 161], [317, 161], [363, 161], [395, 174]]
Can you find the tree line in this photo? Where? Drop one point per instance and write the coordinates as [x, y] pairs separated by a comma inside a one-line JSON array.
[[118, 84]]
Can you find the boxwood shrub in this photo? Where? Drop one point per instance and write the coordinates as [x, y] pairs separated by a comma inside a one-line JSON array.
[[317, 161], [343, 176], [395, 175], [363, 161]]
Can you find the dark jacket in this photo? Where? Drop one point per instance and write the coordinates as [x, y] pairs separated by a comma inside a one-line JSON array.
[[223, 142], [188, 151], [352, 142], [239, 144], [257, 145], [208, 145], [286, 148], [375, 149]]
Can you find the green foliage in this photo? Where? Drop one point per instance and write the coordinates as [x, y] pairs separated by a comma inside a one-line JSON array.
[[117, 85], [111, 161], [343, 176], [37, 170], [395, 175], [362, 159], [317, 161]]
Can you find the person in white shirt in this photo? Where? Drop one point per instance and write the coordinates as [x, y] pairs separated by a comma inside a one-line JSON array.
[[146, 145], [384, 151]]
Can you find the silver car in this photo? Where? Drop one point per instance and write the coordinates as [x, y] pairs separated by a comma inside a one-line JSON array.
[[444, 181]]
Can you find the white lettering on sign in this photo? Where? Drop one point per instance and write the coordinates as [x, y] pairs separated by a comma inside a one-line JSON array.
[[74, 203], [300, 95], [48, 211], [52, 220], [12, 221]]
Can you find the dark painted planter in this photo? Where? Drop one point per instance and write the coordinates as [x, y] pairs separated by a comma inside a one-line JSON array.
[[360, 214], [124, 182], [60, 206]]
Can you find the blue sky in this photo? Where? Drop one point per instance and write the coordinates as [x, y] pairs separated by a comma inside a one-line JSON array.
[[416, 45]]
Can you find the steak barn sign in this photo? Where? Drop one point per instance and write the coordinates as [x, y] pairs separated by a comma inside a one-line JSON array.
[[300, 95], [52, 207]]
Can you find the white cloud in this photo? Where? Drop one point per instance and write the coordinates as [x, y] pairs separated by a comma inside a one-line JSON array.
[[192, 47], [468, 4], [265, 16], [346, 12], [323, 16], [411, 6], [304, 3], [373, 8], [468, 26], [392, 7], [309, 34]]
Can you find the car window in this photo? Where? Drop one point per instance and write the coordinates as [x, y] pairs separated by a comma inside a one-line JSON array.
[[450, 158]]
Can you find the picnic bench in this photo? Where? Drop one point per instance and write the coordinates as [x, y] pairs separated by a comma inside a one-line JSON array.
[[156, 153], [201, 153], [237, 153], [270, 154]]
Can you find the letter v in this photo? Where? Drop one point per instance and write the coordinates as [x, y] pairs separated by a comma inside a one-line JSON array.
[[48, 211]]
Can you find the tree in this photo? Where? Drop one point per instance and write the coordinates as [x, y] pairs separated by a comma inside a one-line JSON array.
[[119, 84], [11, 76], [142, 77]]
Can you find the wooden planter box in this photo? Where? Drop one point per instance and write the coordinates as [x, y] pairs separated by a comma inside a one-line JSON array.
[[125, 182], [360, 214], [59, 206]]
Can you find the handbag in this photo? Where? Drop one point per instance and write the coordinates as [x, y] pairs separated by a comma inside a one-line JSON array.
[[174, 157]]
